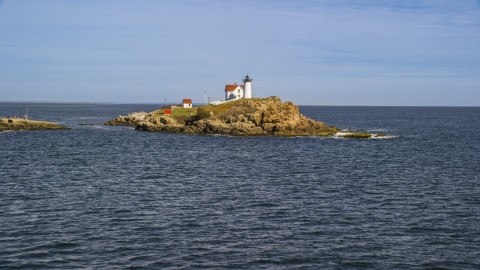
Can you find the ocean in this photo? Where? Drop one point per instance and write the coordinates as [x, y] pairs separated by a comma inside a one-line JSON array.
[[106, 197]]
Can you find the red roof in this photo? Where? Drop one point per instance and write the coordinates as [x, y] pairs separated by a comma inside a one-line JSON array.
[[186, 101], [232, 87]]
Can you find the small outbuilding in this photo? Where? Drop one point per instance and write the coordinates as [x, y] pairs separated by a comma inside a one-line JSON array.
[[186, 103]]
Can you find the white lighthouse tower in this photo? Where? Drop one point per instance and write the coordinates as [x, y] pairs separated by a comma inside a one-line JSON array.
[[247, 85]]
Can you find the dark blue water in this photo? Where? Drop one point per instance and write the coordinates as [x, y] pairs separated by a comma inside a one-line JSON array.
[[105, 197]]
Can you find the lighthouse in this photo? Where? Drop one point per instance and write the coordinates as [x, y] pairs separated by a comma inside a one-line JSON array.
[[247, 85]]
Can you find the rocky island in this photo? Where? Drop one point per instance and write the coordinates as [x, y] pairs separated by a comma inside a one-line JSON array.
[[22, 124], [247, 117]]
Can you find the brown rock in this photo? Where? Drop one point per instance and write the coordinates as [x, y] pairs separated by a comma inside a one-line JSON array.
[[130, 120]]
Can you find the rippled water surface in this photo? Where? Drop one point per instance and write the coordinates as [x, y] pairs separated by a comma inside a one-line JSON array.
[[109, 197]]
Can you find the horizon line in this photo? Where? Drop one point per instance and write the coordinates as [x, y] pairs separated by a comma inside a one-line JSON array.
[[202, 104]]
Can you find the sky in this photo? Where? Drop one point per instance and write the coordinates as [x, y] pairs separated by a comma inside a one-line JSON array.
[[310, 52]]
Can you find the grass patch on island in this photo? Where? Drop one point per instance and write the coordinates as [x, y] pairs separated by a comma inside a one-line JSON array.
[[209, 110], [177, 112], [184, 112]]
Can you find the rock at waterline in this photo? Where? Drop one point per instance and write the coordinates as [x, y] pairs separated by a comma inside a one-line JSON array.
[[21, 124], [130, 120]]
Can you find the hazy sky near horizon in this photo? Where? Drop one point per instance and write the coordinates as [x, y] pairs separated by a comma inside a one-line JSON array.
[[338, 52]]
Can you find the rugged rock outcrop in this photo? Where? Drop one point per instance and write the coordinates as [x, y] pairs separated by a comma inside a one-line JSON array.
[[20, 124], [268, 116], [130, 120]]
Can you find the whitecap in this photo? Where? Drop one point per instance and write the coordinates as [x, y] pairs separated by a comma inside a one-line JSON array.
[[375, 136], [342, 134]]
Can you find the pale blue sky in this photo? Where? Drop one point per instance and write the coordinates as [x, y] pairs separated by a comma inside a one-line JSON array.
[[310, 52]]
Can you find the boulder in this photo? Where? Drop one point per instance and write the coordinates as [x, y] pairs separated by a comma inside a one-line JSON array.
[[129, 120]]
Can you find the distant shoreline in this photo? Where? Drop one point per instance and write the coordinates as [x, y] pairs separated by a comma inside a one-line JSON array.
[[201, 104], [22, 124]]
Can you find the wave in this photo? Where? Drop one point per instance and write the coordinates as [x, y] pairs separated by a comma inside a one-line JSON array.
[[344, 135]]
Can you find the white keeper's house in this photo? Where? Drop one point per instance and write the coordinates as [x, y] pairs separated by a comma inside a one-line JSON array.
[[235, 91]]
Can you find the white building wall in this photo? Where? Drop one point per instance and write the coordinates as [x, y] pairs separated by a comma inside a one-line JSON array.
[[248, 89], [238, 94]]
